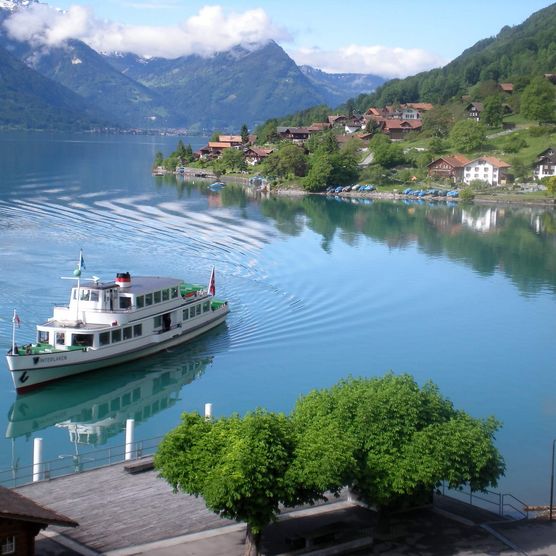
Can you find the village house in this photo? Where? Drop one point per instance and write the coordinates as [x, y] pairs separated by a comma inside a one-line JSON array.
[[545, 166], [486, 168], [255, 155], [398, 129], [233, 140], [474, 110], [21, 520], [315, 127], [295, 134], [448, 167], [506, 87], [337, 120]]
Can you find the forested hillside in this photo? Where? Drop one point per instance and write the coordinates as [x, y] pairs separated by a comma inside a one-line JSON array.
[[515, 54]]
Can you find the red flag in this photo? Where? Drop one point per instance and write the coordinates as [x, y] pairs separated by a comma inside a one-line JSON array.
[[16, 319], [212, 283]]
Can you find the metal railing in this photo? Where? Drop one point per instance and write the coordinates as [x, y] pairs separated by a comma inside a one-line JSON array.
[[67, 464], [503, 504]]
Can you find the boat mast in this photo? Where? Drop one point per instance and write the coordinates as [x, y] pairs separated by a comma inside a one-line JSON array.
[[77, 274]]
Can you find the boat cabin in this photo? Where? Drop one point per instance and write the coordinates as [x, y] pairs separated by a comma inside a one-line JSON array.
[[102, 314]]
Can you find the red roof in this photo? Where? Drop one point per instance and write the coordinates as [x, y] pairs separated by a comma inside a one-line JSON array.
[[455, 160], [496, 162], [507, 87], [219, 145], [230, 138]]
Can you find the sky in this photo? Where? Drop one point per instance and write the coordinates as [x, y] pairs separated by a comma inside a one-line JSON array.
[[392, 38]]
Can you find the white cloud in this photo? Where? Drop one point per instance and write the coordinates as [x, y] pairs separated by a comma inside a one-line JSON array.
[[380, 60], [210, 30]]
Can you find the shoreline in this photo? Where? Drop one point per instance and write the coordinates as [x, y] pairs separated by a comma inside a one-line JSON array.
[[391, 196]]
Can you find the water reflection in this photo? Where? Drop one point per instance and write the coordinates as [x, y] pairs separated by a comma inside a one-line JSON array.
[[521, 241], [95, 406]]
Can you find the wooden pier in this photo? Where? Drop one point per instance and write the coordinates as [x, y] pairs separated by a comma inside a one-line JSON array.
[[116, 509]]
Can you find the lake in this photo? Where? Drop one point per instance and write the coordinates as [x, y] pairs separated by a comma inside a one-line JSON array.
[[319, 288]]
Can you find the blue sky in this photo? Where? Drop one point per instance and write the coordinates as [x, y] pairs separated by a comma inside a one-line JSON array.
[[394, 38]]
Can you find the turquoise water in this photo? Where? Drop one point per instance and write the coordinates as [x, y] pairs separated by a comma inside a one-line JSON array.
[[319, 289]]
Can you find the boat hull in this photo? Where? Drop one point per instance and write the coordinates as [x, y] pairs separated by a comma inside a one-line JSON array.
[[31, 371]]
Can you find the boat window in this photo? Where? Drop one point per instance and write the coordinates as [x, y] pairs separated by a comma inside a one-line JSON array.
[[206, 306], [42, 337], [137, 330], [84, 295], [115, 404], [136, 394], [60, 338], [126, 399], [127, 333], [198, 309], [157, 297], [149, 299], [157, 321], [165, 295], [140, 301], [185, 314], [82, 340], [117, 335], [94, 295], [125, 302], [174, 291], [104, 338]]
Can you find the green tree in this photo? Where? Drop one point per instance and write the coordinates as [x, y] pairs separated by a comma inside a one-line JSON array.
[[494, 111], [538, 100], [551, 186], [467, 135], [267, 132], [388, 154], [289, 159], [324, 141], [514, 143], [244, 134], [438, 121], [403, 439], [215, 135], [238, 465], [520, 169], [320, 170], [158, 159], [233, 160]]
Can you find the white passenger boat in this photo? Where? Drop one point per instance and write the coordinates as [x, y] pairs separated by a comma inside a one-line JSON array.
[[108, 323]]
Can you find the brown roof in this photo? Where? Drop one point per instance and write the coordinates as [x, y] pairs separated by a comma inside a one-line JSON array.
[[230, 138], [455, 160], [318, 126], [476, 105], [332, 119], [259, 151], [18, 507], [401, 124], [219, 145], [419, 105], [491, 160], [506, 87]]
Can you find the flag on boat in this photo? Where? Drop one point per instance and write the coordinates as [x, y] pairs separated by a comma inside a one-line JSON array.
[[15, 319], [81, 260], [212, 283]]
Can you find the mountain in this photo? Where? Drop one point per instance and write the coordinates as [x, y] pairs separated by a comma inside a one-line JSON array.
[[30, 101], [223, 91], [515, 54], [339, 87], [228, 89]]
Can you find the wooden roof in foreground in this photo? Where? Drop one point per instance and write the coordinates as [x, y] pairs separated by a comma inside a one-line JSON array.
[[17, 507]]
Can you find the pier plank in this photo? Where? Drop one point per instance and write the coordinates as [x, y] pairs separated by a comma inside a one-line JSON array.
[[116, 509]]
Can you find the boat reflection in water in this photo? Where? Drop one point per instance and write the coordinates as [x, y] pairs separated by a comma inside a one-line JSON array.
[[95, 406]]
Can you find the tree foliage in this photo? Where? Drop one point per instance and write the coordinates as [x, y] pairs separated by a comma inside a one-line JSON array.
[[287, 160], [538, 100], [494, 111], [467, 135], [388, 439]]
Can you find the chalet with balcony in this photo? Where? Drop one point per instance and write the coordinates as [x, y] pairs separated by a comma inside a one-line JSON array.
[[295, 134], [474, 110], [486, 168], [545, 166], [448, 167], [255, 155]]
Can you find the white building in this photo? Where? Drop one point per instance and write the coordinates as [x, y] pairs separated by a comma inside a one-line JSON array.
[[487, 169]]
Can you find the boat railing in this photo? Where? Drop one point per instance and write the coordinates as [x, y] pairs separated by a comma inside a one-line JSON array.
[[68, 464]]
